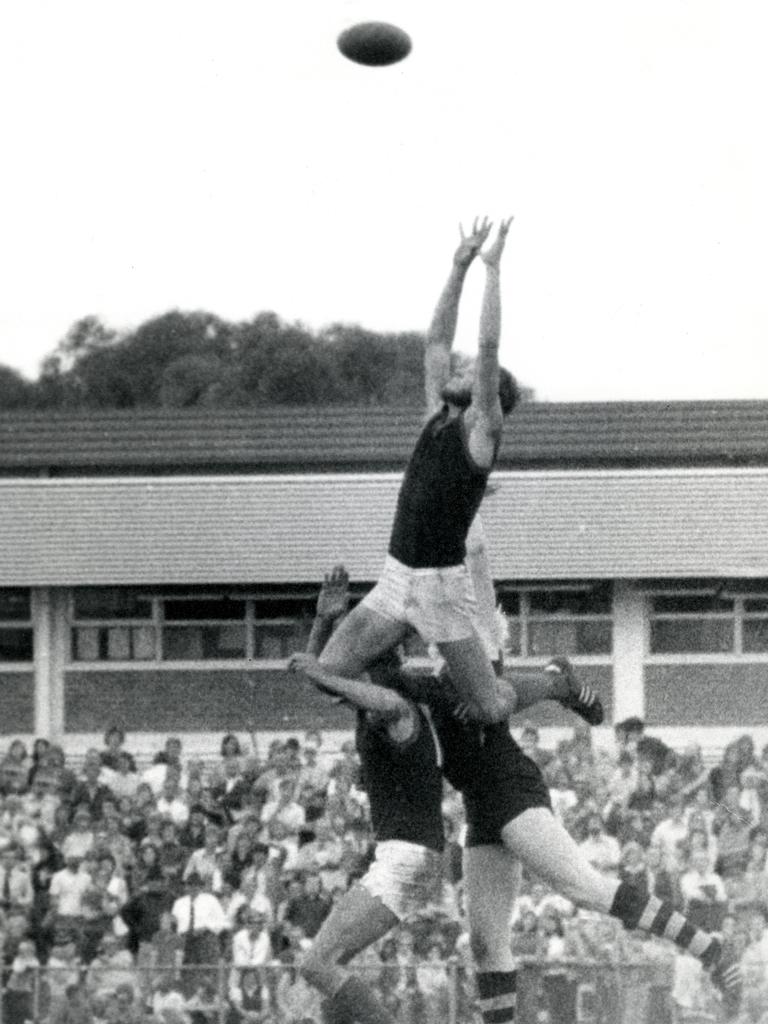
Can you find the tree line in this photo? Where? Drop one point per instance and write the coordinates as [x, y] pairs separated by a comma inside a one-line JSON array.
[[182, 359]]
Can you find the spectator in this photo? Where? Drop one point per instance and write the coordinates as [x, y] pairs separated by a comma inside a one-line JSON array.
[[251, 944], [170, 756], [170, 801], [526, 937], [599, 848], [72, 1007], [191, 835], [111, 968], [663, 883], [630, 735], [755, 958], [168, 1003], [285, 809], [310, 906], [249, 996], [238, 860], [124, 780], [200, 921], [64, 967], [671, 831], [124, 1007], [16, 890], [90, 792], [529, 742], [66, 891], [633, 868], [41, 802], [248, 898], [19, 997], [732, 829], [113, 752], [207, 862], [703, 892]]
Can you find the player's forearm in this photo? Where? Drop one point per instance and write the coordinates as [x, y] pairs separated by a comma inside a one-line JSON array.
[[487, 366], [362, 694], [442, 329], [319, 634]]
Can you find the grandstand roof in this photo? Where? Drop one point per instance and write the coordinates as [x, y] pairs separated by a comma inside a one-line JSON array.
[[280, 438]]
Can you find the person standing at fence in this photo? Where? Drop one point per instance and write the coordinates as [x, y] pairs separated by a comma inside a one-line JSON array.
[[425, 584], [200, 921]]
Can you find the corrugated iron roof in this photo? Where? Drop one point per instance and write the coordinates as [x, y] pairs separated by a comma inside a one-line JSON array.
[[278, 438], [290, 528]]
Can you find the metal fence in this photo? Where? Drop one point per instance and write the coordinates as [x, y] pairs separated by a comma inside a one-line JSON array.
[[431, 992]]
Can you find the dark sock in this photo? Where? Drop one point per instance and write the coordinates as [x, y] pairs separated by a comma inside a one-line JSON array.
[[496, 991], [355, 1003], [660, 918]]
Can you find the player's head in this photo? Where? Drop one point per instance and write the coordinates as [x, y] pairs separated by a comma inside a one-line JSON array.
[[458, 389]]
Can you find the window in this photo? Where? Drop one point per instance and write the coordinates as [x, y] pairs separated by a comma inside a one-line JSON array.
[[567, 621], [112, 624], [16, 633], [126, 625], [281, 626], [209, 628], [692, 624], [754, 629]]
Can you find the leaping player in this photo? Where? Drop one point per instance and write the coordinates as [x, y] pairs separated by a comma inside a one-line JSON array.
[[425, 584]]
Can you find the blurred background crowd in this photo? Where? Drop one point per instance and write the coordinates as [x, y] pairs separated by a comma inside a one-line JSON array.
[[184, 890]]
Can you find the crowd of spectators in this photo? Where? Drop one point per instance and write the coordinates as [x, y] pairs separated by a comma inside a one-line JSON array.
[[183, 891]]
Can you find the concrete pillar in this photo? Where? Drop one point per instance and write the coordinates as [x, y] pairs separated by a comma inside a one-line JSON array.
[[49, 610], [628, 651]]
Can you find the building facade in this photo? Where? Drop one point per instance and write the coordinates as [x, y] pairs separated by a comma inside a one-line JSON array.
[[157, 568]]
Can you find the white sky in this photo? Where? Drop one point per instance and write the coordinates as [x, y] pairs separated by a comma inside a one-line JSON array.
[[166, 154]]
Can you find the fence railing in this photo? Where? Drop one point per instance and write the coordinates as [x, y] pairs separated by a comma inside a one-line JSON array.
[[430, 992]]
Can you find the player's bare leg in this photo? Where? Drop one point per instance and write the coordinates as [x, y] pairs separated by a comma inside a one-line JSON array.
[[357, 921], [491, 882], [547, 849], [474, 679], [359, 639]]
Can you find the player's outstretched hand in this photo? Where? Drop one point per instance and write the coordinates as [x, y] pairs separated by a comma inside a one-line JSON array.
[[492, 255], [333, 600], [471, 244]]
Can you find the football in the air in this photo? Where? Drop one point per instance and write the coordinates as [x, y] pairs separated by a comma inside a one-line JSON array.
[[374, 43]]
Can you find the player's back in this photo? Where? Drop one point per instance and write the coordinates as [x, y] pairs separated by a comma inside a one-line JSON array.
[[441, 491]]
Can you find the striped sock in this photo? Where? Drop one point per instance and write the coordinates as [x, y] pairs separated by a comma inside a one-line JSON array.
[[496, 991], [660, 918]]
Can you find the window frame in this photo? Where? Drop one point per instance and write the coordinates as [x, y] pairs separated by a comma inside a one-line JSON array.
[[25, 625], [527, 617], [738, 616]]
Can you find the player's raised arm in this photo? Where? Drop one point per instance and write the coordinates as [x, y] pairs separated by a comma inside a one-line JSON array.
[[485, 416], [442, 330]]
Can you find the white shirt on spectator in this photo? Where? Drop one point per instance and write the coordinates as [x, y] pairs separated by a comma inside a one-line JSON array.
[[67, 888], [209, 914], [291, 814], [175, 809], [154, 776], [248, 951], [668, 834]]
